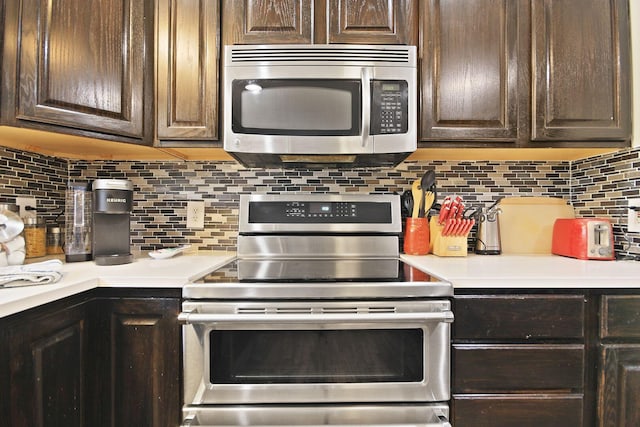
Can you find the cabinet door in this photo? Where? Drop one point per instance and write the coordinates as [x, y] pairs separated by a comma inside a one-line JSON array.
[[371, 21], [144, 362], [48, 368], [581, 66], [187, 65], [81, 64], [267, 21], [470, 67], [619, 386]]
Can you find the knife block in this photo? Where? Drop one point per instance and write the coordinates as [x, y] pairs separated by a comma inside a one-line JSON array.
[[446, 245]]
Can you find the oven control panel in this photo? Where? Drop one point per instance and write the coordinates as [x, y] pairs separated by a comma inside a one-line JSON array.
[[322, 209], [319, 212], [327, 214]]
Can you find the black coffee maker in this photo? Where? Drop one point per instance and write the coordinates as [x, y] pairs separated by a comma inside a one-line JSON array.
[[112, 205]]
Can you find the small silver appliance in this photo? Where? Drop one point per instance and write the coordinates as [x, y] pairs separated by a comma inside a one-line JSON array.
[[488, 234]]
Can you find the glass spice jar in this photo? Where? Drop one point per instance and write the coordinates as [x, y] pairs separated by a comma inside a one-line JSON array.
[[35, 236], [54, 240]]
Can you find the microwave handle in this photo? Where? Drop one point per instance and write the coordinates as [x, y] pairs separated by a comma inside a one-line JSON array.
[[366, 104], [235, 319]]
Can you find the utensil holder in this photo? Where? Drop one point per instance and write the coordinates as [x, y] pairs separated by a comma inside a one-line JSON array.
[[416, 236], [446, 245]]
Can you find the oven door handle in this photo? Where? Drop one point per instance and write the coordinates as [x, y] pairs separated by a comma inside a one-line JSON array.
[[201, 318]]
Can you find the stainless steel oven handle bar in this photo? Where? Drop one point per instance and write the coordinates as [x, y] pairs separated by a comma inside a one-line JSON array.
[[202, 318], [443, 424]]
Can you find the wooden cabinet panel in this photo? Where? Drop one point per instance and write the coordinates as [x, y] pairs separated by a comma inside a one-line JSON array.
[[619, 386], [470, 64], [81, 64], [518, 317], [480, 368], [581, 81], [187, 64], [48, 370], [373, 21], [620, 316], [320, 21], [145, 366], [509, 411], [267, 21]]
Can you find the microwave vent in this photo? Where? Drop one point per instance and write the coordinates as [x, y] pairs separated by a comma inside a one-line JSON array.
[[402, 55]]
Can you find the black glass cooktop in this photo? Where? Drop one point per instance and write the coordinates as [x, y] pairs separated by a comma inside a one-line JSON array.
[[318, 270], [317, 278]]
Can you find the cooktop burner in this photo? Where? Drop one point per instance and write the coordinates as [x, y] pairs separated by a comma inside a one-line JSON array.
[[318, 278]]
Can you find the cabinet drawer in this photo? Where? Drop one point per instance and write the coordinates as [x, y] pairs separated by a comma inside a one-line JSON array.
[[517, 368], [530, 411], [518, 317], [620, 316]]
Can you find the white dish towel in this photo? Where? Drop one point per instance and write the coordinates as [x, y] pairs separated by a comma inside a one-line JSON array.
[[38, 273]]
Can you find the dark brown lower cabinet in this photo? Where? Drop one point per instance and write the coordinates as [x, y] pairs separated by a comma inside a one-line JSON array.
[[48, 367], [619, 374], [101, 359], [518, 411], [518, 360], [144, 369]]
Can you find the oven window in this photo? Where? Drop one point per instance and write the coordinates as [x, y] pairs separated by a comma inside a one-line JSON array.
[[296, 107], [316, 356]]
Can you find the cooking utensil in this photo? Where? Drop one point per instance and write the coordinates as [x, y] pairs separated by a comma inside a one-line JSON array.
[[416, 192], [444, 210], [426, 182], [429, 199], [407, 202]]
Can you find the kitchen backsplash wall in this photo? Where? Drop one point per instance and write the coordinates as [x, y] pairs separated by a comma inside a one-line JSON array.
[[24, 174], [598, 186], [161, 190], [602, 185]]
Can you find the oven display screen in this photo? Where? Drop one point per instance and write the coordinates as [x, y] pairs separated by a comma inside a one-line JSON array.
[[320, 208]]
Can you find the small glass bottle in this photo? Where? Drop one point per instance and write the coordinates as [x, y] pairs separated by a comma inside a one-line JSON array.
[[54, 240], [35, 236]]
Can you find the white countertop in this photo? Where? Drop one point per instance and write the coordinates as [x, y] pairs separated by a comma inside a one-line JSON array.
[[472, 271], [144, 272], [529, 271]]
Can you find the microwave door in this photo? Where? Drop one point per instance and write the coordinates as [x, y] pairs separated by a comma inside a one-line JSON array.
[[319, 113]]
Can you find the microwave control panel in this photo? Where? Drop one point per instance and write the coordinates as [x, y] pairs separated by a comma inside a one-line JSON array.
[[389, 107]]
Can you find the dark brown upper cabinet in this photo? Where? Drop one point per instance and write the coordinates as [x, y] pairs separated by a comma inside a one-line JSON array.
[[470, 63], [581, 70], [526, 73], [322, 21], [76, 64], [187, 59]]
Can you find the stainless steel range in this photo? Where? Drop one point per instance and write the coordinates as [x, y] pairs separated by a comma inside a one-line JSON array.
[[317, 322]]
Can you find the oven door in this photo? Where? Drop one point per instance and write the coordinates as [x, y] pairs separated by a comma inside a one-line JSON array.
[[320, 352], [409, 415]]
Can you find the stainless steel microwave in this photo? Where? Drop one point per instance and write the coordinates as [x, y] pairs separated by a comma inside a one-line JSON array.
[[292, 105]]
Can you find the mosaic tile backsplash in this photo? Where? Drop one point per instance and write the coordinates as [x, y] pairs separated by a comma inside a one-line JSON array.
[[596, 186], [163, 188]]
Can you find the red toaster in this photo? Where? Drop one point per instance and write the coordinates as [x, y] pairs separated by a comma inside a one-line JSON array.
[[583, 238]]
